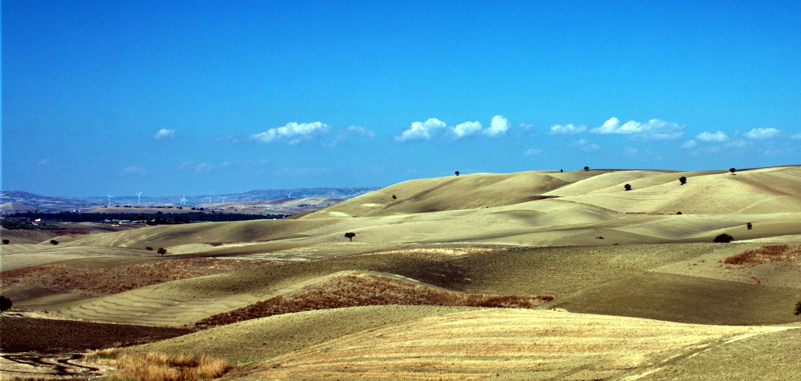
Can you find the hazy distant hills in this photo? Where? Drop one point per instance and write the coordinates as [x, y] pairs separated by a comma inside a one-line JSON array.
[[20, 201]]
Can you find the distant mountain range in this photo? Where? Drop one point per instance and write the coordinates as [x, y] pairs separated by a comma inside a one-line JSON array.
[[21, 201]]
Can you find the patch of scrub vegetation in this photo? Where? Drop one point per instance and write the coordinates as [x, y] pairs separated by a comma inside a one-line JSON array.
[[765, 254], [161, 367], [359, 289]]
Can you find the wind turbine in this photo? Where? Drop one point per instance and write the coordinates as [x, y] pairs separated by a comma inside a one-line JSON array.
[[183, 200], [289, 195], [223, 198], [109, 199], [139, 198]]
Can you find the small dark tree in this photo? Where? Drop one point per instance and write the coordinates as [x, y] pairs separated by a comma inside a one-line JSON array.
[[732, 170], [350, 235], [148, 248], [627, 186], [749, 226], [586, 168], [53, 242], [798, 308], [683, 180], [6, 242], [457, 173], [723, 238], [5, 303], [678, 212], [394, 197], [162, 251]]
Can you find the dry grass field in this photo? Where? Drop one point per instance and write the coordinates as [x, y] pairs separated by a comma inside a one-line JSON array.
[[533, 275]]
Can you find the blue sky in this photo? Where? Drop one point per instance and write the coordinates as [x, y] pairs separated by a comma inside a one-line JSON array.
[[194, 97]]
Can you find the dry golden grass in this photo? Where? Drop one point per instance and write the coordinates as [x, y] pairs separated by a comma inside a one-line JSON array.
[[155, 366], [105, 281], [360, 289], [765, 254]]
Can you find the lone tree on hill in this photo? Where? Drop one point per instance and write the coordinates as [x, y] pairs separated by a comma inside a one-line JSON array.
[[6, 242], [5, 303], [586, 168], [749, 226], [350, 235], [627, 186], [732, 170], [457, 173], [162, 251], [53, 242], [394, 197], [683, 180]]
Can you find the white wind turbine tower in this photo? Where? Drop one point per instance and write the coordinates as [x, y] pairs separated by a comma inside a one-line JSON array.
[[289, 195], [183, 200], [139, 198], [109, 199], [223, 198]]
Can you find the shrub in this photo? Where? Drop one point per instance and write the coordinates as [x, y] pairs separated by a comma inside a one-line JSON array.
[[6, 242], [732, 170], [457, 173], [5, 303], [586, 168], [158, 366], [678, 212], [723, 238], [149, 248], [749, 226], [798, 308], [683, 180], [162, 251], [53, 242], [350, 235], [627, 186], [394, 197]]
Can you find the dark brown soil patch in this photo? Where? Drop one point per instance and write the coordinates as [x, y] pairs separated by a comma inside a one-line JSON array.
[[105, 281], [25, 334]]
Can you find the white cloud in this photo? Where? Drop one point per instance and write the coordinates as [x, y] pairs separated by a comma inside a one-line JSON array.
[[654, 129], [164, 134], [630, 150], [532, 152], [689, 144], [466, 129], [762, 133], [131, 170], [361, 131], [422, 130], [796, 137], [526, 126], [498, 126], [291, 133], [44, 161], [585, 145], [567, 129], [718, 136]]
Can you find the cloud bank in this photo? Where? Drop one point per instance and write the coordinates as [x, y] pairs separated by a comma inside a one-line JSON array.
[[653, 129], [164, 134], [291, 133], [433, 128]]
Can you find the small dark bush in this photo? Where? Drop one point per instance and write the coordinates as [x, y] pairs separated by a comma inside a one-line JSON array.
[[350, 235], [586, 168], [53, 242], [5, 303], [457, 173], [627, 186], [724, 238], [149, 248], [394, 197], [678, 212], [798, 308], [6, 242], [749, 226], [732, 170], [683, 180], [162, 251]]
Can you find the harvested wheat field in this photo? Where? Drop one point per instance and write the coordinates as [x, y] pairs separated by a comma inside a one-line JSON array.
[[532, 275]]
